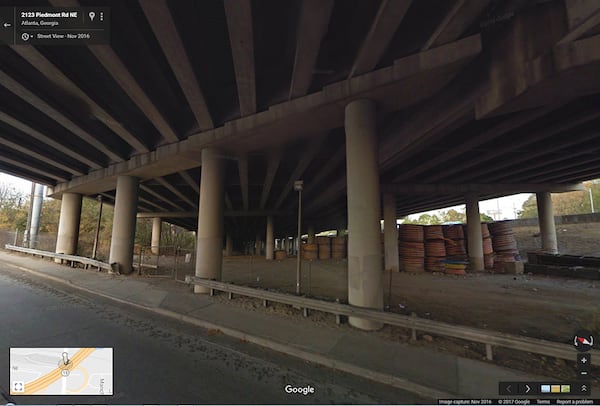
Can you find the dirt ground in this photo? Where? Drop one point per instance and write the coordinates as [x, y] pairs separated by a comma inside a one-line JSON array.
[[550, 308]]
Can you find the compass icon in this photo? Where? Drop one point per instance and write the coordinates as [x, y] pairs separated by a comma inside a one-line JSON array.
[[583, 340]]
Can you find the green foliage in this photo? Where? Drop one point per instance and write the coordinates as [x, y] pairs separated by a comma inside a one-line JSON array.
[[485, 218], [14, 207], [577, 202]]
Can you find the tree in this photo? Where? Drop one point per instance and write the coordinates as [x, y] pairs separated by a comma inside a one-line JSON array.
[[453, 216]]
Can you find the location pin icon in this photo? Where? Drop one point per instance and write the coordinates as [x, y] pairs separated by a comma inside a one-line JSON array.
[[92, 15], [65, 357]]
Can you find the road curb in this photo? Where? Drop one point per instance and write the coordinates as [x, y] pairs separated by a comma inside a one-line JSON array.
[[315, 358]]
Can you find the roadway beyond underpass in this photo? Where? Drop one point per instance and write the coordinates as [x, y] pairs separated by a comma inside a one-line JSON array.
[[161, 361]]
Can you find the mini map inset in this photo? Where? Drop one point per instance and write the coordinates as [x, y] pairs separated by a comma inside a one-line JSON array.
[[61, 371]]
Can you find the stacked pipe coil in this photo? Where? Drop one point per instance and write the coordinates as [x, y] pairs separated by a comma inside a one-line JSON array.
[[504, 244], [338, 247], [435, 248], [324, 247], [455, 242], [280, 255], [488, 249], [411, 247], [309, 251]]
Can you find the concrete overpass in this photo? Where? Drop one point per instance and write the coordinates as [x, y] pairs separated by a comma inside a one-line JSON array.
[[214, 108]]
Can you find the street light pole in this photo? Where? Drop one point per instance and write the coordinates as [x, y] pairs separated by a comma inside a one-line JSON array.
[[298, 187], [97, 235]]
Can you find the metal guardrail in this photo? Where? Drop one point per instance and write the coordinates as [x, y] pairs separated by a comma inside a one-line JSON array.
[[65, 257], [490, 339]]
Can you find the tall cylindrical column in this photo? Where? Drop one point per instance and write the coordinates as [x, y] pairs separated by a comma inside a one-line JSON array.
[[36, 214], [209, 256], [228, 245], [390, 233], [474, 236], [270, 239], [156, 229], [68, 224], [286, 245], [124, 218], [546, 220], [311, 235], [365, 285]]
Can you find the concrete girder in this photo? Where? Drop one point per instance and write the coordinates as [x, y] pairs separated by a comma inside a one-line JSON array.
[[190, 181], [35, 169], [272, 167], [450, 188], [28, 96], [417, 76], [161, 21], [44, 139], [529, 70], [56, 76], [163, 182], [33, 154], [307, 157], [241, 38], [243, 171], [119, 72], [312, 27], [148, 190], [489, 135], [387, 20], [227, 213], [515, 144], [457, 21]]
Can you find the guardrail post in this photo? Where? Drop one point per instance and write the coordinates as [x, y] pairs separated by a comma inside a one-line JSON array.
[[212, 292], [230, 295], [265, 303], [488, 352], [305, 312]]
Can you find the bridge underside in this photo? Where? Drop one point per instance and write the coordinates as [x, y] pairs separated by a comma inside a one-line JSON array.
[[484, 96]]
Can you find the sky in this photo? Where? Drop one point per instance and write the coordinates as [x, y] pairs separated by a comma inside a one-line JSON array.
[[20, 184], [504, 208]]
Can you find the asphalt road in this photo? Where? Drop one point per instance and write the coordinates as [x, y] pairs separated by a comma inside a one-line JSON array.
[[159, 360]]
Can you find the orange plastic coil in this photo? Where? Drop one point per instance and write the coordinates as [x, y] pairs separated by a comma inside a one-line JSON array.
[[410, 232], [412, 264], [433, 233], [434, 264], [435, 248], [500, 228], [309, 247], [454, 232], [488, 261], [487, 246], [309, 255], [485, 231], [323, 240], [411, 249], [280, 254]]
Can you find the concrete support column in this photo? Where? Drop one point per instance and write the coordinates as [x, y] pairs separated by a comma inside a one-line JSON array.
[[546, 220], [365, 285], [474, 237], [270, 239], [390, 233], [156, 229], [123, 230], [311, 235], [228, 245], [36, 214], [286, 245], [68, 224], [209, 256]]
